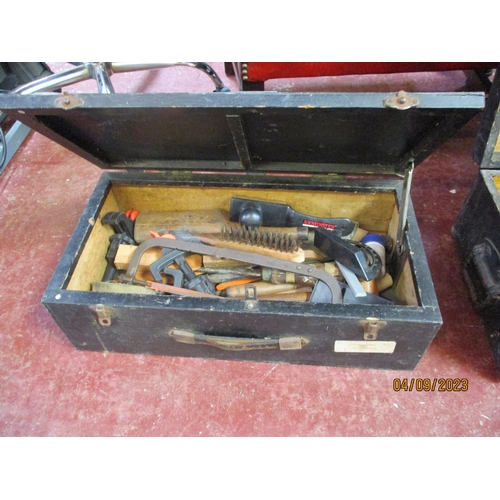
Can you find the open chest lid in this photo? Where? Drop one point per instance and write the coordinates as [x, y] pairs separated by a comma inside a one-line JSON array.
[[364, 133], [487, 146]]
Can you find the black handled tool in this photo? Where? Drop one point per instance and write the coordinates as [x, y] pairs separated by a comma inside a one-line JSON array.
[[362, 260], [185, 277], [124, 235], [256, 213], [114, 242], [120, 223], [162, 265]]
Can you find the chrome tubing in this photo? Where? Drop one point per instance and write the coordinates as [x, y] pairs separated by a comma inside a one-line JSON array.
[[102, 71], [54, 82], [201, 66]]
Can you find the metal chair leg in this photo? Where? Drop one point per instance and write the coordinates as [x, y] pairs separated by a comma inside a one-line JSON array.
[[102, 71]]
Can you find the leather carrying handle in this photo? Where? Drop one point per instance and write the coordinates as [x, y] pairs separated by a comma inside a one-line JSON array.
[[486, 259], [237, 343]]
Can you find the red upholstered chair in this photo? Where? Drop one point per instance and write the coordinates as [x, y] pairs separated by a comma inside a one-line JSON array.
[[252, 75]]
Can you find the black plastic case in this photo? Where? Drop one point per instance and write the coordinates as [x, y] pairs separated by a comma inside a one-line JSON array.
[[477, 228]]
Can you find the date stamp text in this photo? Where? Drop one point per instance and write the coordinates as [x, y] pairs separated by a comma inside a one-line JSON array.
[[431, 385]]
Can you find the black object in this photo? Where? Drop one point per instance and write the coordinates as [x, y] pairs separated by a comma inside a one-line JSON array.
[[486, 260], [13, 74], [185, 277], [161, 265], [114, 242], [255, 213], [303, 133], [199, 283], [477, 228], [295, 144], [120, 223], [362, 260], [321, 293], [478, 243], [124, 235]]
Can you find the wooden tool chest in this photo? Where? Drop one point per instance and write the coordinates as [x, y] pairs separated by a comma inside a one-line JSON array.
[[325, 155], [477, 228]]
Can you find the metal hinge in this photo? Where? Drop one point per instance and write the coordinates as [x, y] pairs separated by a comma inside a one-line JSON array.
[[371, 326], [401, 100], [244, 71], [68, 101]]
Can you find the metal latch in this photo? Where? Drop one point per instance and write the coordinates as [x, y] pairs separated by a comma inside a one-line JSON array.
[[401, 100], [371, 326], [68, 101], [103, 314]]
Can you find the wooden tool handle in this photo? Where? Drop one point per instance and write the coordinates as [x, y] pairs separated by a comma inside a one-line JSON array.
[[191, 221], [262, 288], [196, 222], [289, 297]]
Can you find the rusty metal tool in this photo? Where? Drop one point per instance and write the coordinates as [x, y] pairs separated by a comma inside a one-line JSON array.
[[331, 284], [280, 245], [275, 240]]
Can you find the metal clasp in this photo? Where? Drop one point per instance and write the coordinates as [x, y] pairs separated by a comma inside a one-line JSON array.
[[371, 326], [251, 302], [103, 314]]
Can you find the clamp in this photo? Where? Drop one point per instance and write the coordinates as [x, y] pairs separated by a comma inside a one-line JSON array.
[[184, 277], [124, 235]]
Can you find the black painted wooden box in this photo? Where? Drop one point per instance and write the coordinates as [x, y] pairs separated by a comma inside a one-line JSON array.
[[477, 228], [341, 155]]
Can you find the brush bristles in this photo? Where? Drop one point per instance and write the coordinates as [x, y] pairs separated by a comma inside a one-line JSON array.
[[281, 242]]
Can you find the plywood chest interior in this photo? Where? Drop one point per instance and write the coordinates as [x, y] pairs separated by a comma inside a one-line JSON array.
[[376, 212]]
